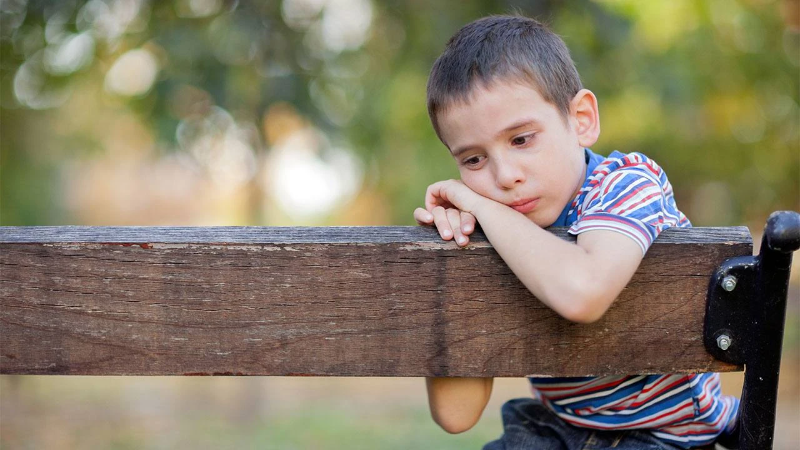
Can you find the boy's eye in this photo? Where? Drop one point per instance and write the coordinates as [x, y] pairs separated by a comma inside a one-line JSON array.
[[472, 161], [521, 140]]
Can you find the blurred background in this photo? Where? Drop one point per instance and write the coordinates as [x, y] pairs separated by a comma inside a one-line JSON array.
[[312, 112]]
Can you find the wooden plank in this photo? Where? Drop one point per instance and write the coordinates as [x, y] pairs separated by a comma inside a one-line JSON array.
[[345, 301]]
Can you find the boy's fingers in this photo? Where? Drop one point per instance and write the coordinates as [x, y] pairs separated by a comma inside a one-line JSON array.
[[423, 217], [442, 224], [454, 217], [467, 223]]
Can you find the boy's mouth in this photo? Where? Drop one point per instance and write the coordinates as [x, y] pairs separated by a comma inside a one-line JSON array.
[[525, 206]]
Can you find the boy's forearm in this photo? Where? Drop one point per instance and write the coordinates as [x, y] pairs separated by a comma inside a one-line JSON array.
[[456, 404], [557, 272]]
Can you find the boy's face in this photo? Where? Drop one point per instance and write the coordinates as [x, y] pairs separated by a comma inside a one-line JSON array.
[[515, 148]]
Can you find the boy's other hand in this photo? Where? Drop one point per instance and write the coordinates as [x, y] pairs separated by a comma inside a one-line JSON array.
[[444, 209], [451, 223]]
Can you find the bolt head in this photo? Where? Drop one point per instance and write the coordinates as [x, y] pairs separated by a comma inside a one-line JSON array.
[[729, 283], [724, 341]]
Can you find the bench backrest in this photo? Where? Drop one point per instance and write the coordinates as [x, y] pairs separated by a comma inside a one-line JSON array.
[[383, 301], [364, 301]]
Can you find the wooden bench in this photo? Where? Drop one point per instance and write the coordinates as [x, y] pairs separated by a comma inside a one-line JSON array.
[[382, 301]]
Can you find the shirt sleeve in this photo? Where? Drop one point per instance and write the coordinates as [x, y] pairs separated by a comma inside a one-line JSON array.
[[632, 201]]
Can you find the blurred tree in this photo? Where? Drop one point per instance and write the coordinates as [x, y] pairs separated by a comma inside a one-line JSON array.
[[709, 89]]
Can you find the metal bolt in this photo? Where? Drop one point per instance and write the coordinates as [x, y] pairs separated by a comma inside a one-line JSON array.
[[729, 283], [723, 341]]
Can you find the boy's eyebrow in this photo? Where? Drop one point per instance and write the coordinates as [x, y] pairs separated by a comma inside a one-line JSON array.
[[519, 124]]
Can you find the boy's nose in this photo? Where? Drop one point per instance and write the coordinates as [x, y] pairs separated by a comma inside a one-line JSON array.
[[509, 176]]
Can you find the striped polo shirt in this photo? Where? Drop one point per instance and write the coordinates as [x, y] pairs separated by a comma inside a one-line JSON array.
[[630, 194]]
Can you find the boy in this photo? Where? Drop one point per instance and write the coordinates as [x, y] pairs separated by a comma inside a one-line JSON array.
[[507, 101]]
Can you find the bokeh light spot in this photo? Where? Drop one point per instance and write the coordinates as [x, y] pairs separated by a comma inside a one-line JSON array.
[[132, 74]]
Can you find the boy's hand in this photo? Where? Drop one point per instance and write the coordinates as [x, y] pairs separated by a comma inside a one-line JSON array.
[[447, 206], [450, 222]]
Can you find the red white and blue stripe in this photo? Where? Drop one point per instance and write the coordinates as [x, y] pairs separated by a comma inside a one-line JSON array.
[[686, 410], [630, 194]]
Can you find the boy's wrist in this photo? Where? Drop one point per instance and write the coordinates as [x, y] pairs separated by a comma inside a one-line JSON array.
[[486, 207]]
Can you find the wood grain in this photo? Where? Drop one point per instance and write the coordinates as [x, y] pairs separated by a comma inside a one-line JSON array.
[[344, 301]]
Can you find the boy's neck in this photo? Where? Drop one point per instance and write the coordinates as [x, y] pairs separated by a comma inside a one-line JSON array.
[[562, 218]]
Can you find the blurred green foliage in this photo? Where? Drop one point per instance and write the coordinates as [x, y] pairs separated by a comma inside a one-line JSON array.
[[228, 413], [707, 88]]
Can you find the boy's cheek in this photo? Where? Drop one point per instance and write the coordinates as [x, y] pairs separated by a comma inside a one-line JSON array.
[[472, 182]]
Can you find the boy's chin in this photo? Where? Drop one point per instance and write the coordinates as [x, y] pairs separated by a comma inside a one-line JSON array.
[[543, 221]]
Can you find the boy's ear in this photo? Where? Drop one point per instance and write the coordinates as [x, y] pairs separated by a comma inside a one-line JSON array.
[[585, 117]]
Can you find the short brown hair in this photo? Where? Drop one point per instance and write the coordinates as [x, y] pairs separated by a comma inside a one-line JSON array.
[[502, 47]]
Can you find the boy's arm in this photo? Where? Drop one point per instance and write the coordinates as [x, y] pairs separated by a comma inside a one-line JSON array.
[[579, 282], [457, 403]]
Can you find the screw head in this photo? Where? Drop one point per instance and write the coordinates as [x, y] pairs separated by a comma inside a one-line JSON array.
[[724, 341], [729, 283]]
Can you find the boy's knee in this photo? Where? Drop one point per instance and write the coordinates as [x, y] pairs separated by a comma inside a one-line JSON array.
[[526, 411]]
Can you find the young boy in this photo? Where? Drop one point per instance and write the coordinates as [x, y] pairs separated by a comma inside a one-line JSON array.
[[507, 101]]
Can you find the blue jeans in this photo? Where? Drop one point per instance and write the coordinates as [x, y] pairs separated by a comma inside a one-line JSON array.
[[528, 424]]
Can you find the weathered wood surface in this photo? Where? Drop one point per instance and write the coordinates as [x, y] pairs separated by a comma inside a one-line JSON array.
[[364, 301]]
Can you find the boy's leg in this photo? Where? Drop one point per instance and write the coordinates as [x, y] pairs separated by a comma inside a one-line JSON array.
[[628, 440], [730, 439], [528, 424]]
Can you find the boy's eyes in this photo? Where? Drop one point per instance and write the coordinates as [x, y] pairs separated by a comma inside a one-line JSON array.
[[517, 141]]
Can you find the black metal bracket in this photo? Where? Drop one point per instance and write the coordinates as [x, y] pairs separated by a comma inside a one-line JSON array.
[[725, 334], [745, 316]]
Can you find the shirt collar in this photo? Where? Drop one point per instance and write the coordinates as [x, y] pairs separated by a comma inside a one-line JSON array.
[[592, 160]]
